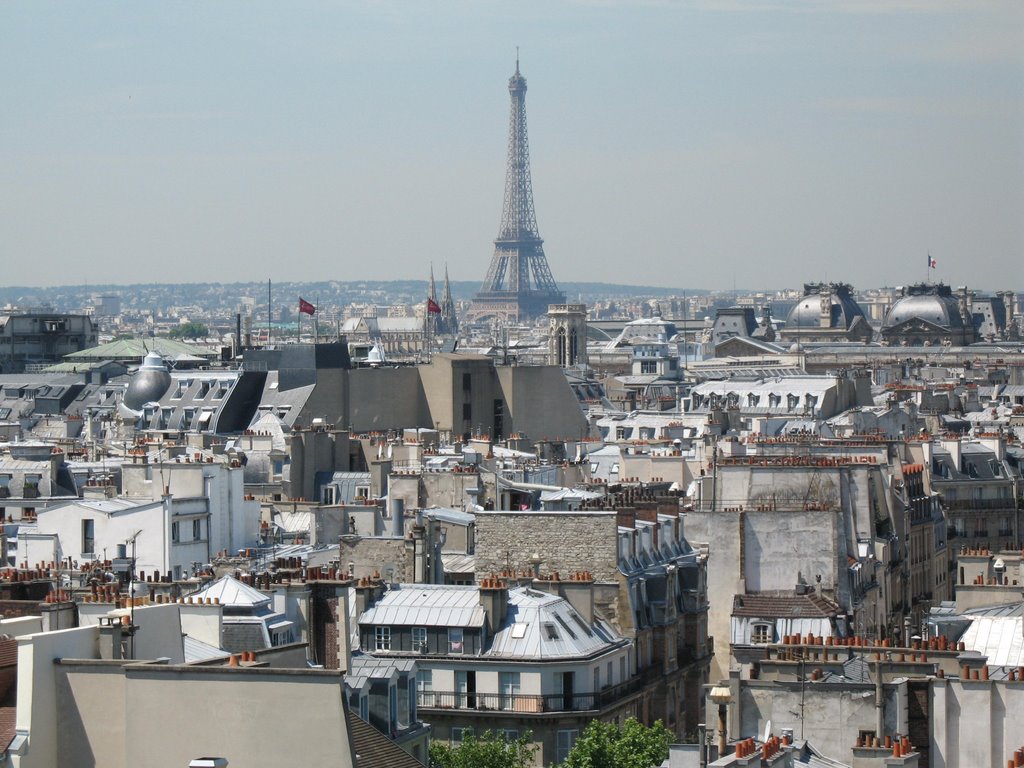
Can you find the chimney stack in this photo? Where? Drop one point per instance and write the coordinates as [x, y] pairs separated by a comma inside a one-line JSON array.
[[578, 591], [494, 601]]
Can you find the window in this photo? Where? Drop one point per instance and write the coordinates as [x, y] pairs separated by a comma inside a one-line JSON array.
[[382, 638], [455, 640], [509, 734], [564, 743], [175, 536], [458, 734], [419, 639], [197, 529], [597, 679], [648, 366], [508, 684], [88, 537], [425, 687], [467, 382], [467, 411], [761, 634]]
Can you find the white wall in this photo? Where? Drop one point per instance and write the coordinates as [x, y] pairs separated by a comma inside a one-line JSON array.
[[37, 692]]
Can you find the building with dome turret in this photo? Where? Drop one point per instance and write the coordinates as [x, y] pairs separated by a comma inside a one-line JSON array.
[[826, 313], [927, 314]]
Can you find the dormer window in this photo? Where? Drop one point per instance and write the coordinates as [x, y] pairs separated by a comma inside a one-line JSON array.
[[456, 641]]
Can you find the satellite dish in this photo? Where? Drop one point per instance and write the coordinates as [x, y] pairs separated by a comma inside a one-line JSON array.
[[767, 731]]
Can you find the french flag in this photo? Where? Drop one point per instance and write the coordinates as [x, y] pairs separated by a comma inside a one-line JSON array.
[[932, 263]]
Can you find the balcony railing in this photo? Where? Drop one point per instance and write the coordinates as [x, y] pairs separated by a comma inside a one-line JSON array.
[[525, 703], [969, 505]]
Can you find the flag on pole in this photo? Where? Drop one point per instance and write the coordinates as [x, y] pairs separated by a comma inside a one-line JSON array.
[[305, 307], [432, 307], [932, 263]]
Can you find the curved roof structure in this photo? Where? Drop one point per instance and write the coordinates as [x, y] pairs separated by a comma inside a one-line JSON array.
[[148, 384], [843, 310], [934, 304]]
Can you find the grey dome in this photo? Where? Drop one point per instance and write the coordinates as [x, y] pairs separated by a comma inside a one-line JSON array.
[[148, 384], [843, 309], [932, 303]]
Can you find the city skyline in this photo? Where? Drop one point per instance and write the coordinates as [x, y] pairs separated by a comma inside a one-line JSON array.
[[696, 144]]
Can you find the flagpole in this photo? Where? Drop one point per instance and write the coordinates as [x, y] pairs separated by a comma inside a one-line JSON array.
[[270, 311], [316, 322]]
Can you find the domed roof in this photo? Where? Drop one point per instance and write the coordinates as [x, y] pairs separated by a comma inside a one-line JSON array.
[[148, 384], [843, 309], [933, 303]]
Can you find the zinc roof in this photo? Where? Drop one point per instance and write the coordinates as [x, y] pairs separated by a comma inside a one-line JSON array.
[[541, 625], [230, 591], [427, 605], [999, 638]]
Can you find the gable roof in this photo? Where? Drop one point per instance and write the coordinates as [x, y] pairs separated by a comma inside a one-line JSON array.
[[810, 606]]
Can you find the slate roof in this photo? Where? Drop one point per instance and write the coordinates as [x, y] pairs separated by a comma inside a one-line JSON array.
[[810, 606], [372, 749]]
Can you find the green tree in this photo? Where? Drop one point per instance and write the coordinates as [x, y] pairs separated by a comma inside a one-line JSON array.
[[632, 745], [189, 331], [490, 750]]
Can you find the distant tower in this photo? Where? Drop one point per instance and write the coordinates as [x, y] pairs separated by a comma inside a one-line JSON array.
[[449, 322], [519, 284], [567, 335], [430, 321]]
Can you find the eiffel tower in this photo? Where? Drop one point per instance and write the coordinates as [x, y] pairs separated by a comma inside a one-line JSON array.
[[519, 285]]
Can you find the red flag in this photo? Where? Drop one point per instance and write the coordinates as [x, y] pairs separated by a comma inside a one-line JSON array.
[[432, 307], [305, 307]]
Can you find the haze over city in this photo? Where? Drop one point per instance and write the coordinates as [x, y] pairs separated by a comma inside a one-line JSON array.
[[693, 144]]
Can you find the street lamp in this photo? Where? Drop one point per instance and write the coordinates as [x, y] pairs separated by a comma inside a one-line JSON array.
[[722, 696]]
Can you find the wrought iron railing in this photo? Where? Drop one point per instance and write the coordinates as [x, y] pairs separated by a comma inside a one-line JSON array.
[[525, 703]]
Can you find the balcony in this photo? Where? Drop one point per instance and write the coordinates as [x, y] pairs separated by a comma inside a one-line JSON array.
[[528, 704], [971, 505]]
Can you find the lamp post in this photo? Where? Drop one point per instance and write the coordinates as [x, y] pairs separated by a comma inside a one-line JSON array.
[[722, 696]]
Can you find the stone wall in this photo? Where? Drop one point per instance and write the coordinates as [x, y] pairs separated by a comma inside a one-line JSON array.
[[566, 541], [391, 558]]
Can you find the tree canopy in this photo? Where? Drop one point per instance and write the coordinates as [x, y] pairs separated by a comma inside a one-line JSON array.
[[189, 331], [631, 745], [489, 750]]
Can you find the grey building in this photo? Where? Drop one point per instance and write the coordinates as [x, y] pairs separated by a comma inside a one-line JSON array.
[[40, 339]]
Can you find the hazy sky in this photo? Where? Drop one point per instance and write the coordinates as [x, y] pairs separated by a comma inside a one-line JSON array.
[[689, 143]]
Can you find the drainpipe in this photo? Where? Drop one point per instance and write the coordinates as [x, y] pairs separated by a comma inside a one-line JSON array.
[[879, 700]]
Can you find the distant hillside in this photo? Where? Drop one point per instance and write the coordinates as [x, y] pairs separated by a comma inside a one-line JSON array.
[[154, 295]]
